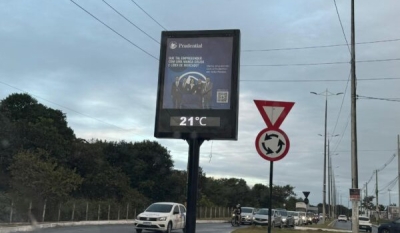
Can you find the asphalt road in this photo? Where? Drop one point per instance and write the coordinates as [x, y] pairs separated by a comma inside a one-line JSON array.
[[200, 228], [347, 226]]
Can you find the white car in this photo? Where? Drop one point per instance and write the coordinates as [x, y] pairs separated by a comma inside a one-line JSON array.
[[342, 218], [364, 223], [297, 219], [162, 216]]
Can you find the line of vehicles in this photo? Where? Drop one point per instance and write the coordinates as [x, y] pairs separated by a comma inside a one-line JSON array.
[[168, 216], [279, 217]]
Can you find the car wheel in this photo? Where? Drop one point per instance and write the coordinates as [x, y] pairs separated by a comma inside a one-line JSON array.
[[169, 228], [139, 230], [385, 230]]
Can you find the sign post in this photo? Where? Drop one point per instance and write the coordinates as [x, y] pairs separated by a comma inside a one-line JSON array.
[[198, 95], [272, 143]]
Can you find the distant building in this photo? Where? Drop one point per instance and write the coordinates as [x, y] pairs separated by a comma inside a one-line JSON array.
[[301, 206]]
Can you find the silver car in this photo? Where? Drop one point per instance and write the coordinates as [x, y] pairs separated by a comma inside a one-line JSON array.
[[287, 220], [261, 217], [247, 215], [296, 216]]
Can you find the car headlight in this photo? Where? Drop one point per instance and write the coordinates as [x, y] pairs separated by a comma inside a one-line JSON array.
[[162, 218], [137, 217]]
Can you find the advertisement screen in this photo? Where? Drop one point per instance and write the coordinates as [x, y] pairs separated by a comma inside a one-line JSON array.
[[198, 85], [198, 73]]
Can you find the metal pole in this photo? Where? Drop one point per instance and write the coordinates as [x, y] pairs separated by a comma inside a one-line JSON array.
[[324, 176], [193, 174], [366, 195], [398, 167], [329, 183], [377, 201], [271, 168], [354, 163], [44, 210]]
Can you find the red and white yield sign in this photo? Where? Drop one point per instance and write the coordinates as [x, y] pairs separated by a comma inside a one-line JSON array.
[[272, 143]]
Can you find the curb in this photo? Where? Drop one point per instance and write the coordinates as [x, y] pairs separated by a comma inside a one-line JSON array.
[[319, 229], [82, 223]]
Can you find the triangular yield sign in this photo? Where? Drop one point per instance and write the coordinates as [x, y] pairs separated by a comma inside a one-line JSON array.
[[306, 194], [273, 112]]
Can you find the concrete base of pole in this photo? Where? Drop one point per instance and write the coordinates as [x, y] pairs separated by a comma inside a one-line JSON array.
[[354, 217]]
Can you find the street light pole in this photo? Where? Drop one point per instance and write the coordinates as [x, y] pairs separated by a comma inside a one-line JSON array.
[[331, 211], [354, 151], [326, 93], [324, 188]]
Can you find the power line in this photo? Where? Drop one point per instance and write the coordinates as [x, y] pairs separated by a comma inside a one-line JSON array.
[[130, 22], [149, 15], [318, 46], [390, 184], [341, 105], [114, 30], [387, 163], [383, 167], [375, 98], [342, 134], [326, 63], [341, 25], [315, 80]]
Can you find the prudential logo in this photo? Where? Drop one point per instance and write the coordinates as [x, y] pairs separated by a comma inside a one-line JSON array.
[[173, 45]]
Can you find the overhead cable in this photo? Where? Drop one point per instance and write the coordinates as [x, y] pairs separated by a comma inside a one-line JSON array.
[[131, 22], [341, 25], [129, 41], [149, 15], [318, 46]]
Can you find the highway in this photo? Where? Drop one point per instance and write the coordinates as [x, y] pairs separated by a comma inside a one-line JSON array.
[[347, 226], [200, 228]]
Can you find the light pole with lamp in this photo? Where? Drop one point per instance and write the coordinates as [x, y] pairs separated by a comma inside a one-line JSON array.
[[326, 94], [330, 177], [330, 188]]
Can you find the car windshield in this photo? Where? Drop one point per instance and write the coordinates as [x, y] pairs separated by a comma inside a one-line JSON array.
[[263, 211], [363, 218], [284, 213], [160, 208], [342, 216], [247, 210]]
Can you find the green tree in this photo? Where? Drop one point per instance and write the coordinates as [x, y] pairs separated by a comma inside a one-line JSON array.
[[147, 164], [35, 174], [8, 138], [37, 126]]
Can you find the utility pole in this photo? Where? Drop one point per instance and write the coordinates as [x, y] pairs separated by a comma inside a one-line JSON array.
[[329, 183], [376, 193], [354, 163], [398, 166], [324, 183], [366, 195]]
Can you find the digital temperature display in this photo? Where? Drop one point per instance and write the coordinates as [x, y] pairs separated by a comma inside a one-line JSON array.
[[201, 121], [198, 85]]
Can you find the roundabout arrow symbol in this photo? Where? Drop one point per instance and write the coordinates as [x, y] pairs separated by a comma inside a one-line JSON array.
[[280, 144], [269, 151], [269, 136]]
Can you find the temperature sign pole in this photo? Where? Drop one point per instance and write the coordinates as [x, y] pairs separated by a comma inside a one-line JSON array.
[[272, 143]]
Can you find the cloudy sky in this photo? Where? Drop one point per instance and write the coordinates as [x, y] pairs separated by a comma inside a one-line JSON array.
[[97, 61]]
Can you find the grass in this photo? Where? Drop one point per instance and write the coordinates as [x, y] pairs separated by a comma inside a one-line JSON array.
[[263, 229]]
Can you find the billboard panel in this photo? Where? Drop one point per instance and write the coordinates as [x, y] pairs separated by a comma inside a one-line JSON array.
[[198, 85]]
